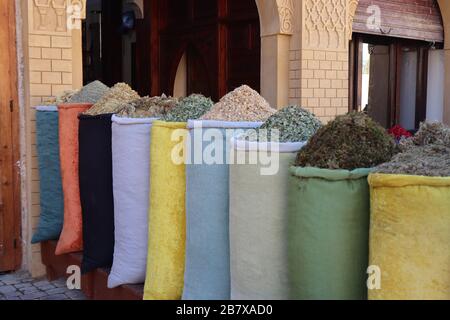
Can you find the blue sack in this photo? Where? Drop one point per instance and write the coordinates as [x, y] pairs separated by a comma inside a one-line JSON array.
[[207, 272], [51, 195]]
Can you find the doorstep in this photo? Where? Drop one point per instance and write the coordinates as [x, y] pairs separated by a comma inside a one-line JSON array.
[[94, 284]]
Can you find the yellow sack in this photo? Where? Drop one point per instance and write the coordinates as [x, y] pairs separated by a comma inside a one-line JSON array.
[[167, 220], [410, 237]]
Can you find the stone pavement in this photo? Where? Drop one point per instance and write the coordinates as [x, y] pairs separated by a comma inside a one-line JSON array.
[[21, 286]]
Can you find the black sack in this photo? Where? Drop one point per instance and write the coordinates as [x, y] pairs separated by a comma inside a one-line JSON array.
[[96, 191]]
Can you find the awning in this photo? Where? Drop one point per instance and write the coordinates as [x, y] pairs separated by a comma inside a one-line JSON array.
[[412, 19]]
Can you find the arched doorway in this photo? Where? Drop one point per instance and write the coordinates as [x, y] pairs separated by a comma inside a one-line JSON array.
[[220, 40], [397, 65]]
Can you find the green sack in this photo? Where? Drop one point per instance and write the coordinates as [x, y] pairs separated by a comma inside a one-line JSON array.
[[329, 216]]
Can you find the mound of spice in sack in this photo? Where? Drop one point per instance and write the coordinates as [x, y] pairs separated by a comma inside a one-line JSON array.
[[293, 124], [425, 154], [90, 93], [242, 104], [62, 98], [190, 108], [149, 107], [349, 142], [114, 100]]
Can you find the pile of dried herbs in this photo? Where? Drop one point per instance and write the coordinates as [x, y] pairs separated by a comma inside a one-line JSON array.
[[61, 98], [349, 142], [429, 134], [90, 93], [293, 124], [242, 104], [425, 154], [190, 108], [149, 107], [114, 100]]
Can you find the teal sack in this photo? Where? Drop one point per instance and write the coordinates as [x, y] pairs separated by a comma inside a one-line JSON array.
[[329, 217], [51, 196]]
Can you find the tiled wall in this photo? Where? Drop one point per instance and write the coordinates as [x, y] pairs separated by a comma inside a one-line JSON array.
[[324, 82]]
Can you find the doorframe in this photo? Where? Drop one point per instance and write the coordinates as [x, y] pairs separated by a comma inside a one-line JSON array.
[[15, 183], [395, 46]]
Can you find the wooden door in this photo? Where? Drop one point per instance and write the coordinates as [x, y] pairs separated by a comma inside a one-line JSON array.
[[197, 74], [378, 107], [221, 39], [10, 250], [243, 58]]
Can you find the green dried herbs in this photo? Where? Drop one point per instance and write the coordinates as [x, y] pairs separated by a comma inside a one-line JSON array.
[[90, 93], [190, 108], [149, 107], [349, 142], [294, 124], [425, 154]]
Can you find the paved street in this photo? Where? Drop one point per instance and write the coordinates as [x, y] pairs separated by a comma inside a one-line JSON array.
[[20, 286]]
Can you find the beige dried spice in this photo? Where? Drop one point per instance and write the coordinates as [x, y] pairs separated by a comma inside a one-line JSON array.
[[430, 133], [242, 104], [428, 160], [62, 98], [425, 154], [66, 96], [114, 100], [149, 107]]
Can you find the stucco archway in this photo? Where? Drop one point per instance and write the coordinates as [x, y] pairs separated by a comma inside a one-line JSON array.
[[276, 16], [277, 28]]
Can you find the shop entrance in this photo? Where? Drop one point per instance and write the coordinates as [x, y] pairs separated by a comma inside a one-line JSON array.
[[394, 49], [159, 46], [391, 79]]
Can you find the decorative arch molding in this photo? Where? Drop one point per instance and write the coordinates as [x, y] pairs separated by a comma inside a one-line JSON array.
[[285, 13], [276, 17], [352, 6], [82, 6], [52, 16]]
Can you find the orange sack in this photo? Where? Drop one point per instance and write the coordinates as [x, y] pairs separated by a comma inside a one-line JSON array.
[[71, 239]]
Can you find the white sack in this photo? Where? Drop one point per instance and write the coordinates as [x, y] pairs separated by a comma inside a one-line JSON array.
[[131, 184]]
